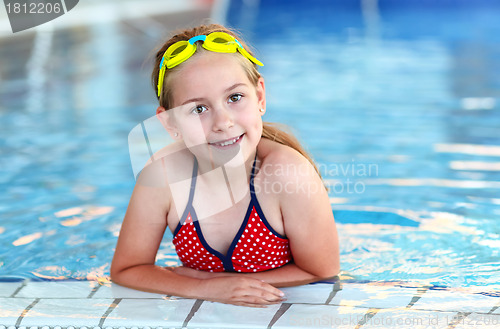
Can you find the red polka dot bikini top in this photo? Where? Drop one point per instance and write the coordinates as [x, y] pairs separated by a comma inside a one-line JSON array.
[[256, 247]]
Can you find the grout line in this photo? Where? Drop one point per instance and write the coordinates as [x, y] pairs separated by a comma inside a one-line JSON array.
[[110, 309], [418, 295], [19, 289], [368, 315], [460, 316], [492, 310], [194, 309], [494, 307], [283, 308], [336, 288], [26, 310], [94, 290]]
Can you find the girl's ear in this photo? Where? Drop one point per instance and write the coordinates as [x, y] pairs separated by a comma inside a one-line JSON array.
[[167, 121], [261, 93]]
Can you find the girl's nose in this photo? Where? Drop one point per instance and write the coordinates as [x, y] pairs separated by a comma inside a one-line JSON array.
[[222, 119]]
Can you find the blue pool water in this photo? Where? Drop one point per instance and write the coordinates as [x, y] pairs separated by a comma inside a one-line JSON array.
[[399, 105]]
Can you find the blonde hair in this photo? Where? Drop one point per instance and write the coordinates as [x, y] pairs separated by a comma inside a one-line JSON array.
[[269, 130]]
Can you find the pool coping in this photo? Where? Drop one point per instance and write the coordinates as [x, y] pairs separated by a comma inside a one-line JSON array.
[[350, 304]]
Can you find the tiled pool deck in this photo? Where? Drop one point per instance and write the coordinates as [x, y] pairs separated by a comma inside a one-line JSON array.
[[77, 304]]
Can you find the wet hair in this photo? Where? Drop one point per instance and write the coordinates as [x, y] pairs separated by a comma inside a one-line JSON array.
[[270, 130]]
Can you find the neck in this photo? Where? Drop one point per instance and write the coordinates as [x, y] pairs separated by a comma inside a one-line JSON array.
[[234, 176]]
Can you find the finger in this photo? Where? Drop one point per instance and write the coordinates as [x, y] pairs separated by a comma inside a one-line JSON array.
[[271, 289], [261, 297]]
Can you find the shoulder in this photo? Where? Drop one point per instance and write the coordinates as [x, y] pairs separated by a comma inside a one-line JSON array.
[[168, 165], [287, 173], [283, 161]]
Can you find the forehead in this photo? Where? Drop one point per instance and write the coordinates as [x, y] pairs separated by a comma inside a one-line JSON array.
[[207, 73]]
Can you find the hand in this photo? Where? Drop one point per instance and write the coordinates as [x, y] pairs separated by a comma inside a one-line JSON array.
[[240, 291]]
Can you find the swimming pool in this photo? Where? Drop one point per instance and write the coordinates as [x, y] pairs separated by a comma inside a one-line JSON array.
[[402, 116]]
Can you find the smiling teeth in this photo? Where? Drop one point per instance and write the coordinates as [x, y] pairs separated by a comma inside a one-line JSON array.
[[229, 142]]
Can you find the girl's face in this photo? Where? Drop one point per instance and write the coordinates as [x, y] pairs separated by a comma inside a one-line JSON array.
[[216, 108]]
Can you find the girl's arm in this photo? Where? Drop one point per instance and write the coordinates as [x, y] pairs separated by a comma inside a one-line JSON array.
[[286, 276], [140, 236]]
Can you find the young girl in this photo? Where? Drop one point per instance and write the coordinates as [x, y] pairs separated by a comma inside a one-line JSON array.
[[245, 203]]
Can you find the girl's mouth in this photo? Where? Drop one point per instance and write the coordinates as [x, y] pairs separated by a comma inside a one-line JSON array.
[[228, 142]]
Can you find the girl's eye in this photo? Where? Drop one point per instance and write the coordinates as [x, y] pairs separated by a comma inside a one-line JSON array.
[[199, 109], [235, 97]]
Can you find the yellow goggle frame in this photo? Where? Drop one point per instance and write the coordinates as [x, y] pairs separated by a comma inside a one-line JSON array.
[[180, 51]]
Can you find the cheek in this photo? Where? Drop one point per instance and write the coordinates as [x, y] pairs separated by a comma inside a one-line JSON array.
[[193, 132]]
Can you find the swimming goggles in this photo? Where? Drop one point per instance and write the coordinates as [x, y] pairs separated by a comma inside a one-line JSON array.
[[180, 51]]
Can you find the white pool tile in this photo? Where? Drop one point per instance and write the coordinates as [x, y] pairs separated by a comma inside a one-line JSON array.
[[149, 312], [376, 296], [408, 319], [217, 315], [8, 288], [116, 291], [12, 308], [474, 320], [447, 300], [65, 289], [67, 312], [320, 316], [313, 293]]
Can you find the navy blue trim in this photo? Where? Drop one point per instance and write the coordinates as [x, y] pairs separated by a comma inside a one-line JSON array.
[[226, 260], [189, 207], [238, 235], [263, 218], [256, 203]]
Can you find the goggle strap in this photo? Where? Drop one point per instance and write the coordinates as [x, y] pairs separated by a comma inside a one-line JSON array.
[[249, 57], [197, 38]]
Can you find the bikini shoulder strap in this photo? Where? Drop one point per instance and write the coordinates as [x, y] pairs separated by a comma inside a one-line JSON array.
[[252, 175], [193, 182]]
